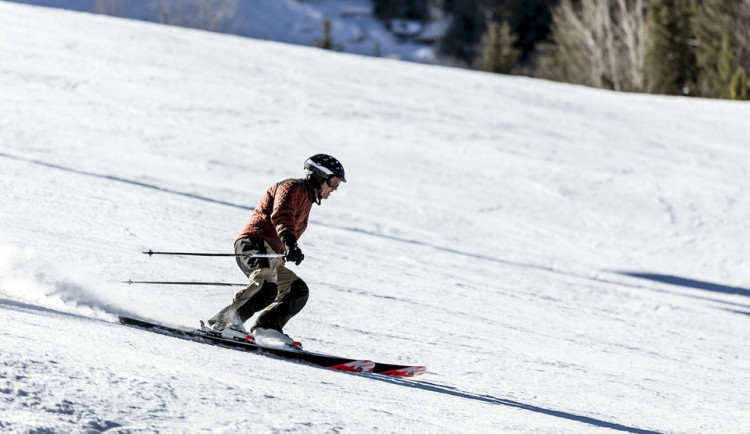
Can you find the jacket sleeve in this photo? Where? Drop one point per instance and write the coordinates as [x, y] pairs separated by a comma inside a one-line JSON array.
[[285, 208]]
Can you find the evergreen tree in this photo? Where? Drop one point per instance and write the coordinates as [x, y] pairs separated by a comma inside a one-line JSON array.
[[462, 38], [670, 56], [529, 20], [722, 46], [738, 85], [532, 22], [498, 51], [326, 42]]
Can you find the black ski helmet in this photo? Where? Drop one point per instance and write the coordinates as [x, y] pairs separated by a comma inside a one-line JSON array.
[[322, 167]]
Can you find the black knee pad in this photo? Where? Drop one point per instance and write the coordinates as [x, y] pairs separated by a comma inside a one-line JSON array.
[[299, 291], [290, 305], [266, 294]]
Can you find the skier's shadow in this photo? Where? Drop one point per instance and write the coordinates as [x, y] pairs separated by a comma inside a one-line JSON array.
[[689, 283], [125, 181], [452, 391]]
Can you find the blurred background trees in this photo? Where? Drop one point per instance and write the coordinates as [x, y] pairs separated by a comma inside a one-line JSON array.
[[599, 43], [674, 47]]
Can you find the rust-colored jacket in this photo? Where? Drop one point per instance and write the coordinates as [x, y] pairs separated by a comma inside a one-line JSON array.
[[284, 209]]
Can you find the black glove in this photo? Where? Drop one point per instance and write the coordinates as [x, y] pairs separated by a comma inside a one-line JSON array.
[[293, 253]]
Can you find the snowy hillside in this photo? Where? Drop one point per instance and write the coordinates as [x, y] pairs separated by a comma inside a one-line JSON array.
[[561, 259], [354, 28]]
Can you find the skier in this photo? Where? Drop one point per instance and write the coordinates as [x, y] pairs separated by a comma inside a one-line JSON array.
[[276, 225]]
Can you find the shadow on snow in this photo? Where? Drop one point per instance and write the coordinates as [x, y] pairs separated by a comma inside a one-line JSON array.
[[689, 283], [452, 391], [123, 180]]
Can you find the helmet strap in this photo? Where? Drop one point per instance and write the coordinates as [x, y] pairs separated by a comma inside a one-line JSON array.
[[317, 183]]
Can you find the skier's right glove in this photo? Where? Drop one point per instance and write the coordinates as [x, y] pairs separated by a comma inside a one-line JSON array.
[[293, 253]]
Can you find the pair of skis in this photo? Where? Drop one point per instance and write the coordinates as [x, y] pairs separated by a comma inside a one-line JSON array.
[[344, 364], [204, 336]]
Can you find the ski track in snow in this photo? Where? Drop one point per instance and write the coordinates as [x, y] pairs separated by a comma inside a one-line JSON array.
[[555, 268]]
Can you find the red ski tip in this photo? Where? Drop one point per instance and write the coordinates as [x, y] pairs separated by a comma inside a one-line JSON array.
[[355, 366]]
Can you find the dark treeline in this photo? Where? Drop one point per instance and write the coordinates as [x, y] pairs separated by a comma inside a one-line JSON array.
[[675, 47], [529, 20]]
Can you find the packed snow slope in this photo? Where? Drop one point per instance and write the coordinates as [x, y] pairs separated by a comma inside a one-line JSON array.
[[561, 259]]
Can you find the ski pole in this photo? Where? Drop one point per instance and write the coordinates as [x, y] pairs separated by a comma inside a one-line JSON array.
[[152, 282], [249, 255]]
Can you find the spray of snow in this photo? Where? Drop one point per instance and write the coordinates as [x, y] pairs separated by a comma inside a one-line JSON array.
[[27, 278]]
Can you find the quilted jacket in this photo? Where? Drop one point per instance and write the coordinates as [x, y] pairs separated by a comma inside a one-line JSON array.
[[284, 209]]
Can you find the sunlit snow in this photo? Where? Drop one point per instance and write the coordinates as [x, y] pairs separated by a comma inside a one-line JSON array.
[[562, 259]]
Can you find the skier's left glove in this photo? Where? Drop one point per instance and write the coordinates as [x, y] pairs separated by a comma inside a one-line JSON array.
[[293, 252]]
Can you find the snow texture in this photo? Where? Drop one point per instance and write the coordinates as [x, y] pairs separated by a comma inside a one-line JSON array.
[[562, 259]]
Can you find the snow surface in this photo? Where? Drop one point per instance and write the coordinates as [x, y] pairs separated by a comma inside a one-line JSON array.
[[562, 259]]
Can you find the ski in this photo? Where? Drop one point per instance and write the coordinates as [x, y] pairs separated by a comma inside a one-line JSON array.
[[323, 360], [327, 361]]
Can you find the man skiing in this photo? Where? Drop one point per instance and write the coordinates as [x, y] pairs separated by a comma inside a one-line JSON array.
[[276, 225]]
